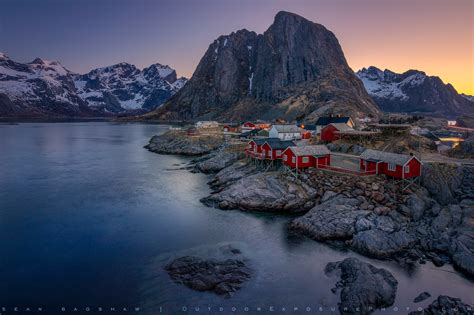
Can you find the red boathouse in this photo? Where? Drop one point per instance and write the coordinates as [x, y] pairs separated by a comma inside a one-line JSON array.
[[307, 156], [273, 148], [330, 132], [254, 148], [395, 165]]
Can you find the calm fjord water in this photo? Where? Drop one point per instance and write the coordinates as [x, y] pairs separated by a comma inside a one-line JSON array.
[[88, 218]]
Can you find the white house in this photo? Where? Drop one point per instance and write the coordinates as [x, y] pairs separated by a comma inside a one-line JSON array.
[[452, 122], [285, 132]]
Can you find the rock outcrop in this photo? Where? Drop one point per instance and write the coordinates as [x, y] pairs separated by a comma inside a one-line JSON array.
[[221, 276], [364, 288], [442, 181], [176, 142], [268, 192], [217, 161], [446, 305], [295, 69], [378, 219]]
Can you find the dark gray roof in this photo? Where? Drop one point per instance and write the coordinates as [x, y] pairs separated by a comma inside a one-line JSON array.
[[276, 143], [310, 150], [323, 121], [399, 159]]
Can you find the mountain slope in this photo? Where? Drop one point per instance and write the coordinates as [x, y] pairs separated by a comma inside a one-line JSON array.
[[295, 69], [413, 92], [46, 88]]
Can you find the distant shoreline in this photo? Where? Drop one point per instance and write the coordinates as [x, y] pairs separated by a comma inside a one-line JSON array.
[[8, 120]]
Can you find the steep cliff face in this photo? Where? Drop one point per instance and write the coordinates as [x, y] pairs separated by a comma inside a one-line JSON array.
[[295, 69], [414, 92]]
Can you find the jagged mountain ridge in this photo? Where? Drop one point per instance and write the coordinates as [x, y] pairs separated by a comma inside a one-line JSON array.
[[46, 88], [296, 69], [414, 92]]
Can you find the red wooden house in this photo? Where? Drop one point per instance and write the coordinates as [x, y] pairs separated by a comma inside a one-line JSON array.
[[330, 132], [273, 148], [254, 148], [307, 156], [401, 166]]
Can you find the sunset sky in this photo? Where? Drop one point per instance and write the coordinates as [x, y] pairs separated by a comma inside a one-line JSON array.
[[435, 36]]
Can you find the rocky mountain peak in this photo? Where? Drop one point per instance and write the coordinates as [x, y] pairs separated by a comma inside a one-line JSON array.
[[414, 92], [163, 71], [295, 69], [3, 56]]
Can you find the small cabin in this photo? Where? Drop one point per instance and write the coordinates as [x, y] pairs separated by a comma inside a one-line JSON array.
[[402, 166], [330, 133], [273, 148], [324, 121], [285, 132], [307, 156]]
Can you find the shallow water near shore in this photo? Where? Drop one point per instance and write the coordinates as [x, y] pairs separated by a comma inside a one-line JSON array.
[[88, 218]]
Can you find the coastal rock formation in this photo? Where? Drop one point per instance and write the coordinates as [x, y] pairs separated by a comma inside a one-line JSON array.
[[421, 297], [270, 192], [174, 142], [364, 288], [222, 277], [413, 92], [295, 69], [231, 174], [380, 220], [217, 161], [442, 181], [446, 305]]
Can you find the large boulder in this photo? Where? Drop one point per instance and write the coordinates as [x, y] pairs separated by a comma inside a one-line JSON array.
[[364, 288], [442, 181], [268, 192], [217, 162], [333, 220], [222, 277], [380, 244]]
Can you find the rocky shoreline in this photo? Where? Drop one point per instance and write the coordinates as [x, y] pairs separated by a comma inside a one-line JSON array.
[[174, 142], [372, 216]]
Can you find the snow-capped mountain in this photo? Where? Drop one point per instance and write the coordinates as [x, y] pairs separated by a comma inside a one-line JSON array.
[[413, 91], [46, 88]]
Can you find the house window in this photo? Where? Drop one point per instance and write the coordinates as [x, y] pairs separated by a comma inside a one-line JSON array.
[[305, 159], [407, 169], [285, 158], [293, 159], [391, 167], [278, 152]]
